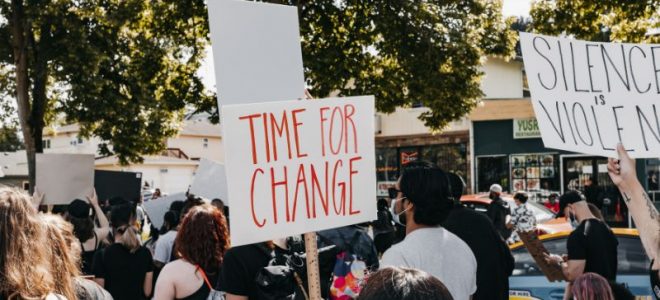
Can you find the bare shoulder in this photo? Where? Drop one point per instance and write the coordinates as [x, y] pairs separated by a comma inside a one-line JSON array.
[[178, 267]]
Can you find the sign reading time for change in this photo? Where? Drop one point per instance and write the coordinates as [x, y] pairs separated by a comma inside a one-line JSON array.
[[299, 166], [589, 96]]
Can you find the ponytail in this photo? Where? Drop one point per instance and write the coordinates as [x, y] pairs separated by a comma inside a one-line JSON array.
[[129, 238]]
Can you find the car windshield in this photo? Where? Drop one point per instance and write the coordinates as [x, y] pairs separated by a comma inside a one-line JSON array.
[[631, 257]]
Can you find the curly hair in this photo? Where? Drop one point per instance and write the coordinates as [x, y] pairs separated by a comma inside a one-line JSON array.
[[24, 261], [65, 254], [203, 238], [428, 188]]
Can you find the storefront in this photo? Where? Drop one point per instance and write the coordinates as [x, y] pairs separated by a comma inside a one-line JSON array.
[[449, 151], [511, 153]]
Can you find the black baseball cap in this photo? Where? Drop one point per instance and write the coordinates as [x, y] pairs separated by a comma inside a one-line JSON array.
[[569, 197], [79, 209]]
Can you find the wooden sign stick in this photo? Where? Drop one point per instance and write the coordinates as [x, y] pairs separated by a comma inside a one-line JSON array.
[[313, 276]]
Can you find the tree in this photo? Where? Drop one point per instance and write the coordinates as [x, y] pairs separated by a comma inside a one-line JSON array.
[[122, 69], [601, 21], [9, 141], [403, 52]]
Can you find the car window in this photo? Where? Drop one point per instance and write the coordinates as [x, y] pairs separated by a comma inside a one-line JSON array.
[[477, 206], [630, 253], [541, 212]]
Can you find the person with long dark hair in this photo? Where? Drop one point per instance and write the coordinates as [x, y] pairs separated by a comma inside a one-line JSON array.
[[89, 236], [125, 268], [201, 244]]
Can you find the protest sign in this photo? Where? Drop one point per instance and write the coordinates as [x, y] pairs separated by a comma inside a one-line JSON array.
[[256, 52], [537, 251], [589, 96], [157, 208], [64, 177], [210, 181], [110, 184], [299, 166]]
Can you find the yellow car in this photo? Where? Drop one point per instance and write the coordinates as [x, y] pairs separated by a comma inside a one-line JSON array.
[[527, 281]]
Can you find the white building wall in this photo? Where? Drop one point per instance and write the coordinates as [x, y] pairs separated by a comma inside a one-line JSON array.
[[502, 80], [69, 143], [405, 121], [196, 147]]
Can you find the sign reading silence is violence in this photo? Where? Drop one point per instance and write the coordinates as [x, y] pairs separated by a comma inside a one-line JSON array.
[[299, 166], [590, 96]]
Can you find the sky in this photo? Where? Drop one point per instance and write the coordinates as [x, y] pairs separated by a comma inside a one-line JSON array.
[[516, 8]]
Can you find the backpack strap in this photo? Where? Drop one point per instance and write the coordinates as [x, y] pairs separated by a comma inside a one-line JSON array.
[[201, 271]]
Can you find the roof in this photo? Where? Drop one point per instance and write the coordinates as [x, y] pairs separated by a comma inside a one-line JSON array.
[[195, 127], [13, 164], [149, 160], [201, 128]]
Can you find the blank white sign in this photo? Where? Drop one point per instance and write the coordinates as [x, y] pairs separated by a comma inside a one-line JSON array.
[[210, 181], [256, 51], [64, 177]]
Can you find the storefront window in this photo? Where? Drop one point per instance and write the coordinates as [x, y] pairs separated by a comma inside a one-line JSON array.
[[490, 170], [387, 169], [450, 157], [535, 173], [653, 178]]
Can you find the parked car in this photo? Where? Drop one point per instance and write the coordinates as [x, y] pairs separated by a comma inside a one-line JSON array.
[[527, 281], [545, 218]]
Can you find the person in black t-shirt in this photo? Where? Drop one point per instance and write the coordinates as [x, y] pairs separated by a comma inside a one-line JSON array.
[[494, 260], [125, 268], [592, 246]]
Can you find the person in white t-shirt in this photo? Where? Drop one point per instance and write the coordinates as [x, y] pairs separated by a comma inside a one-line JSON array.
[[165, 243], [422, 204]]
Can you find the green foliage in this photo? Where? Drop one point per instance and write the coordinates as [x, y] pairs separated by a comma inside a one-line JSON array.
[[403, 52], [123, 69], [598, 20], [9, 141]]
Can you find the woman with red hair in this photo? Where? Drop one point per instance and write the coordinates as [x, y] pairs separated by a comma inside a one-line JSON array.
[[201, 243]]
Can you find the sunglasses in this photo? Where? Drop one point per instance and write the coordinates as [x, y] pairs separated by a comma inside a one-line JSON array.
[[393, 192]]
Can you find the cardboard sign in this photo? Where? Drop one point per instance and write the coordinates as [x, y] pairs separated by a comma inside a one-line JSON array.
[[110, 184], [537, 250], [299, 166], [256, 52], [589, 96], [157, 208], [64, 177], [210, 181]]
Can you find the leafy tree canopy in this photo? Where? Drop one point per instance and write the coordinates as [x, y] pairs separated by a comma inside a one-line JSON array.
[[629, 21], [403, 52]]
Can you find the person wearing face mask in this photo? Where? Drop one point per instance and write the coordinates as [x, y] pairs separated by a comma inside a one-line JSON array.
[[424, 199], [592, 246], [498, 211]]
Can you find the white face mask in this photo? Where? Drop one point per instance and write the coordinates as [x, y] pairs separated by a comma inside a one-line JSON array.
[[395, 216]]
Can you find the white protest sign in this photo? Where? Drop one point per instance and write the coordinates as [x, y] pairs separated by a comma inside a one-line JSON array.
[[157, 208], [299, 166], [210, 181], [64, 177], [589, 96], [256, 51]]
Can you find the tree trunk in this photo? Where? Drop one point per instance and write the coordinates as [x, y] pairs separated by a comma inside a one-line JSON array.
[[20, 51]]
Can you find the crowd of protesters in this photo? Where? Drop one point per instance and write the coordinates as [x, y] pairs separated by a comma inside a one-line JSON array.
[[95, 250]]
